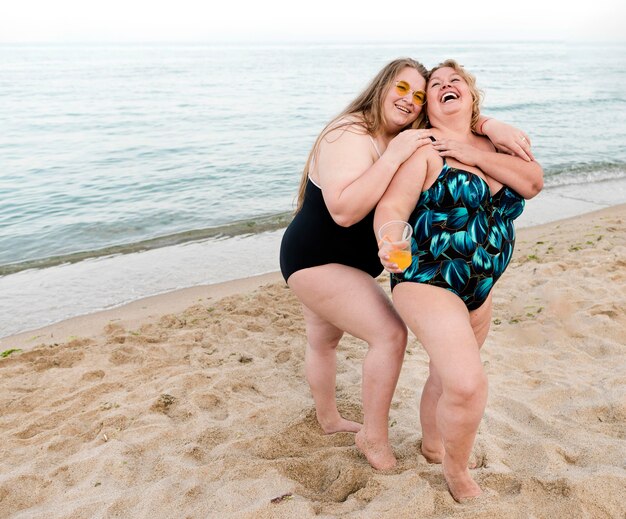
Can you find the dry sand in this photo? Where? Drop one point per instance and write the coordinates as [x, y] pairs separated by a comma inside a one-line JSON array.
[[204, 412]]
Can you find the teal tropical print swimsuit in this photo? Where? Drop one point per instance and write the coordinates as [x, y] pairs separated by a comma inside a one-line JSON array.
[[463, 236]]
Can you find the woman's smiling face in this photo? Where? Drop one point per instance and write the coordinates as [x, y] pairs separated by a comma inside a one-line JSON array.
[[448, 92], [400, 110]]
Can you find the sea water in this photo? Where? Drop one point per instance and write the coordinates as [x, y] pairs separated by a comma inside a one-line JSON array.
[[130, 170]]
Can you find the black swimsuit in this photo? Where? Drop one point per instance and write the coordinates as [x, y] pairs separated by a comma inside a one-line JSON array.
[[463, 236], [313, 238]]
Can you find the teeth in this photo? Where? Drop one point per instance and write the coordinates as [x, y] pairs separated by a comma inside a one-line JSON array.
[[448, 96], [405, 110]]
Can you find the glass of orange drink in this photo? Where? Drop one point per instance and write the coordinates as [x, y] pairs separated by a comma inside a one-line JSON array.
[[395, 237]]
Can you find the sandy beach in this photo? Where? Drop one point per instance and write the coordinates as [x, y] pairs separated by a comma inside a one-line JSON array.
[[194, 404]]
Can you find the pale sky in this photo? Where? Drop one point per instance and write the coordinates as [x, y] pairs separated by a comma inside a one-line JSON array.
[[314, 21]]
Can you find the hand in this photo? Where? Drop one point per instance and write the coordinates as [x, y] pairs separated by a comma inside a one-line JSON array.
[[508, 139], [403, 145], [383, 254], [465, 153]]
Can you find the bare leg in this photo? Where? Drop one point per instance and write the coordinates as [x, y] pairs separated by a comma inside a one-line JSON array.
[[352, 301], [432, 443], [320, 368], [442, 324]]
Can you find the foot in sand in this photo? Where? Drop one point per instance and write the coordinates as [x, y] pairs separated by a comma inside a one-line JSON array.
[[460, 483], [338, 424], [378, 453], [433, 453], [435, 456]]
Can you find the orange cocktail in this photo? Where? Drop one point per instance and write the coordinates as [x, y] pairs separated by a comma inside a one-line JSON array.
[[395, 239], [401, 257]]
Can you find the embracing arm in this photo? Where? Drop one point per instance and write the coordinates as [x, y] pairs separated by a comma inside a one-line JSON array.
[[505, 138], [404, 191], [400, 199], [352, 183], [524, 177]]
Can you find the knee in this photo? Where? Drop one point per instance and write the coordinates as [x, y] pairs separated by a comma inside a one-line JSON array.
[[433, 384], [323, 342], [468, 389]]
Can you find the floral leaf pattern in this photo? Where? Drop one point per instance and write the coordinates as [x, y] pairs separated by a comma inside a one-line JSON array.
[[482, 261], [463, 235], [439, 243], [462, 242], [456, 273]]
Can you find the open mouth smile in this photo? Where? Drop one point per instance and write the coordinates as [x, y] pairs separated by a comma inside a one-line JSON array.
[[449, 96]]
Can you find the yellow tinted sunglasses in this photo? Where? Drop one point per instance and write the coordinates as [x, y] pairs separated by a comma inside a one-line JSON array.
[[403, 88]]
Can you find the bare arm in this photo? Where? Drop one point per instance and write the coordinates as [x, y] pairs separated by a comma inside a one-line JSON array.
[[352, 181], [401, 196], [506, 138], [524, 177], [403, 192]]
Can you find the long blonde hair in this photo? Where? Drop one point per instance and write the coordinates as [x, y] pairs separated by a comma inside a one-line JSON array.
[[368, 107], [470, 79]]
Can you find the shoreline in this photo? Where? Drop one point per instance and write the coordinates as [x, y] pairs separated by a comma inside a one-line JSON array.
[[136, 312], [174, 301], [107, 284]]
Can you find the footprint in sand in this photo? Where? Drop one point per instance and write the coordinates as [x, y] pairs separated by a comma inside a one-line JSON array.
[[126, 355], [212, 404]]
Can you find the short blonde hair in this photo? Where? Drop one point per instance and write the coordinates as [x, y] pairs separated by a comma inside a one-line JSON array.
[[477, 94]]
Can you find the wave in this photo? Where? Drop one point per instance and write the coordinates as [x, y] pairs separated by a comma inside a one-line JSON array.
[[537, 106], [250, 226], [575, 174], [555, 176]]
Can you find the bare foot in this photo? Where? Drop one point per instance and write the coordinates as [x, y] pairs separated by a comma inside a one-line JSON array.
[[432, 455], [435, 455], [461, 484], [339, 425], [378, 454]]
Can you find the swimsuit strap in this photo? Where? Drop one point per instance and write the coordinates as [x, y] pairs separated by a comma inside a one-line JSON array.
[[375, 147], [435, 140]]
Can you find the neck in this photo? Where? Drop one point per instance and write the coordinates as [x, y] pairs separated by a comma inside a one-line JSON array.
[[458, 126], [384, 136]]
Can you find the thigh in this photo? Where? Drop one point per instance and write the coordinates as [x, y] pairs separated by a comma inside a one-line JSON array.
[[347, 298], [480, 320], [319, 331], [441, 322]]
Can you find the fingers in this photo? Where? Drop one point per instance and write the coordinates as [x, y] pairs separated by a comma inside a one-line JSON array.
[[425, 135], [519, 151], [443, 148], [388, 266], [522, 147]]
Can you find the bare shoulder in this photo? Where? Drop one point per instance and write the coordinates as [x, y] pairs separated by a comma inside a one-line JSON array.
[[424, 153], [350, 128]]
